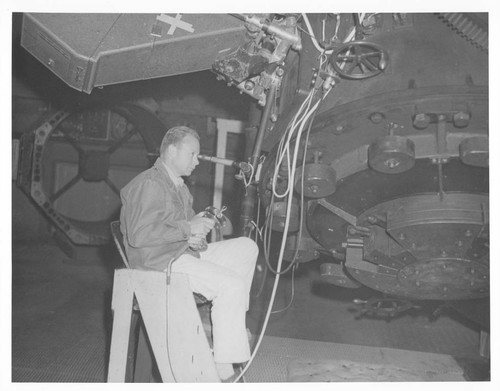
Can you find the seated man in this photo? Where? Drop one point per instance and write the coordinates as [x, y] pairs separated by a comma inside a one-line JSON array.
[[157, 221]]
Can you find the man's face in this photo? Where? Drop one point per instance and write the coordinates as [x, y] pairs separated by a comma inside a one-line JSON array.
[[183, 158]]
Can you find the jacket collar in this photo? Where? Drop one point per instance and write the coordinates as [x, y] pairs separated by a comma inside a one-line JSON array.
[[172, 182]]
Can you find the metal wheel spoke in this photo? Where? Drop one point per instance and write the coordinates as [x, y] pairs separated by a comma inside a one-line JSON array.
[[355, 49], [368, 64], [350, 70], [112, 186], [65, 188], [346, 57], [73, 143], [121, 141], [371, 54]]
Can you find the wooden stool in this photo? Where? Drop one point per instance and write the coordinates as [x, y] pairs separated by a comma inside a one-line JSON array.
[[172, 323]]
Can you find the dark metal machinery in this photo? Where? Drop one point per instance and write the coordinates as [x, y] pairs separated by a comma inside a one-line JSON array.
[[96, 136], [396, 176]]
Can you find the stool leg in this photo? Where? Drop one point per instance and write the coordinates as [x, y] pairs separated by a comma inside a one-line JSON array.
[[122, 311], [132, 347], [484, 344], [144, 358]]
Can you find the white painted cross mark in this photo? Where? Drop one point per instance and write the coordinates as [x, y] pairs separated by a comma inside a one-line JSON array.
[[174, 23]]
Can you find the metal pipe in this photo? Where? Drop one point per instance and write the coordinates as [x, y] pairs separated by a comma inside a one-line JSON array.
[[263, 125], [248, 204], [269, 28], [244, 166], [217, 160]]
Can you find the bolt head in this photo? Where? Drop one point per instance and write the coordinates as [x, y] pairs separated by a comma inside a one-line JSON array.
[[461, 119], [392, 163], [377, 117], [249, 85], [421, 121]]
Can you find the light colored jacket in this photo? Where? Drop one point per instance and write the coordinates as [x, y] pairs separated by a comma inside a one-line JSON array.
[[154, 218]]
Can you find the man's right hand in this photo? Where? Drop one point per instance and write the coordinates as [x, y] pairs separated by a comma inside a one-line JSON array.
[[198, 243], [201, 225]]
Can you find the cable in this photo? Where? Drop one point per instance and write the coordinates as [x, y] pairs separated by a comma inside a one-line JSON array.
[[247, 182], [293, 292], [280, 258], [167, 326], [315, 42], [313, 37], [284, 148]]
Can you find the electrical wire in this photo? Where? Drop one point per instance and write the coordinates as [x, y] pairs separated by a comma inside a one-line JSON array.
[[292, 296], [282, 249], [315, 42], [284, 145], [248, 182], [296, 126], [291, 181], [167, 326]]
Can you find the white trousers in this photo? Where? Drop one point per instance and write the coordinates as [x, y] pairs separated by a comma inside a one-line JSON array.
[[224, 275]]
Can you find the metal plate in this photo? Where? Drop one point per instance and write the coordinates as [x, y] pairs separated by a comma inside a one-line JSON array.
[[446, 278]]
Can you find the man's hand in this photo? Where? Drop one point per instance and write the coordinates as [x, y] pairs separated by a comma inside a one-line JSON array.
[[200, 225], [197, 242]]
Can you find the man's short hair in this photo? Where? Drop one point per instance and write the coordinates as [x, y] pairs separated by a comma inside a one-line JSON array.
[[175, 135]]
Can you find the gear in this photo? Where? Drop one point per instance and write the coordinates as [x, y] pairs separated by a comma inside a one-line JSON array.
[[471, 27]]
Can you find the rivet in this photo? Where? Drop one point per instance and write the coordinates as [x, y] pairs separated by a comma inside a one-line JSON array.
[[391, 163], [376, 117], [402, 236], [468, 233], [460, 243]]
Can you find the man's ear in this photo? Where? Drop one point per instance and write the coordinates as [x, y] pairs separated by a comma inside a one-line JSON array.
[[171, 149]]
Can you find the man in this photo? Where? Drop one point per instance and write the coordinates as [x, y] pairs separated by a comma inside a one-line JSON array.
[[157, 221]]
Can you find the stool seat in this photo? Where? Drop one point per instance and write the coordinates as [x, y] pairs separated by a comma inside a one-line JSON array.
[[117, 235]]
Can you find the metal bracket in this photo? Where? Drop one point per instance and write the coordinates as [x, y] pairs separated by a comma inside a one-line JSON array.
[[339, 212]]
